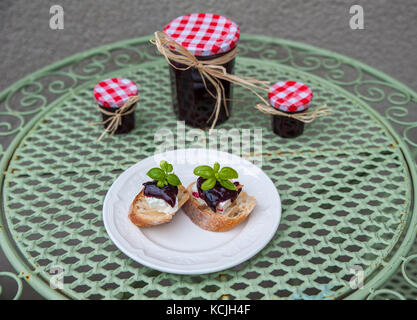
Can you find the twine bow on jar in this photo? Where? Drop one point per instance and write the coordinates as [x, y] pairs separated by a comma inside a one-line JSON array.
[[211, 70], [115, 118], [306, 116]]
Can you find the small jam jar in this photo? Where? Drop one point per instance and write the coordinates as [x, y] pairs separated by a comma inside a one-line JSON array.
[[111, 94], [207, 36], [289, 97]]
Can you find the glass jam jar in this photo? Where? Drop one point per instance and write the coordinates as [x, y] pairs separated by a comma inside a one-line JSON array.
[[207, 36], [289, 97], [287, 127], [111, 94]]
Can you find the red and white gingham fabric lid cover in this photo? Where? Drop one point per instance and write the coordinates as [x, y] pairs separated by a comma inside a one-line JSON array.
[[204, 34], [114, 92], [290, 96]]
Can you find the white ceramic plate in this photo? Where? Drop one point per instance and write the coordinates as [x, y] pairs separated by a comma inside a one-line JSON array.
[[180, 246]]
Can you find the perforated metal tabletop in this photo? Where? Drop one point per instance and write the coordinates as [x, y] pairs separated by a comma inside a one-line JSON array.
[[347, 184]]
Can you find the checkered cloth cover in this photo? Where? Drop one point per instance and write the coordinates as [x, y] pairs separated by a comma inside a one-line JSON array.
[[114, 92], [204, 34], [290, 96]]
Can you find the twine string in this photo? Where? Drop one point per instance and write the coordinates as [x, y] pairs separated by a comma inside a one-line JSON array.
[[115, 118], [212, 70], [306, 116]]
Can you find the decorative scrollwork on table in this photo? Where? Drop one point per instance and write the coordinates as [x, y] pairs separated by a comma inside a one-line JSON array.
[[23, 101]]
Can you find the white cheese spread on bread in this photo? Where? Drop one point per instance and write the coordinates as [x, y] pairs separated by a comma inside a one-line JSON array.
[[161, 205]]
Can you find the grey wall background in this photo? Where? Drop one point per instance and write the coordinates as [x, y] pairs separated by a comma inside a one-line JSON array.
[[388, 42]]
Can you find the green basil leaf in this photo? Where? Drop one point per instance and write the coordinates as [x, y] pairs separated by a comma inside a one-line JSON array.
[[173, 180], [208, 184], [163, 164], [204, 171], [156, 174], [227, 184], [227, 173], [216, 167], [170, 167]]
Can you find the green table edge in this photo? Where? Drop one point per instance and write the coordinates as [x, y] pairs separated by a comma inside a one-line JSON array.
[[377, 281]]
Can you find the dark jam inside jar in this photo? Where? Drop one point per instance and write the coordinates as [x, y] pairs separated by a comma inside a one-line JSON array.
[[287, 127], [168, 193], [216, 194], [128, 121], [191, 101]]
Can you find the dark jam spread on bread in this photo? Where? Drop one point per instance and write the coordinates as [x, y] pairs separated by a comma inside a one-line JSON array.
[[168, 193], [216, 194]]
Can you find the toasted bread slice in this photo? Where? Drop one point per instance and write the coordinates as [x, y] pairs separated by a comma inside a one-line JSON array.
[[143, 216], [205, 218]]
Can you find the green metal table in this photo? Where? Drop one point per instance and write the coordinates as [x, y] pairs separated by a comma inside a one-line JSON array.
[[347, 184]]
